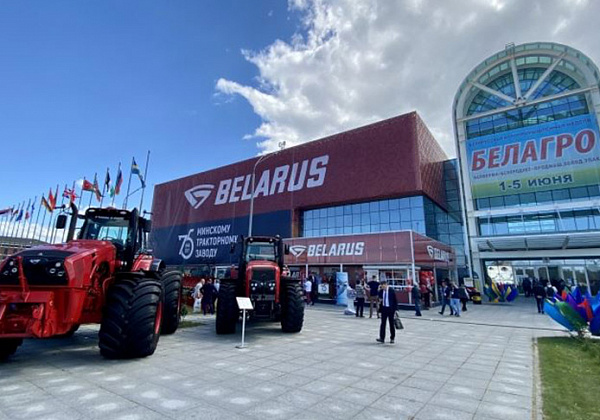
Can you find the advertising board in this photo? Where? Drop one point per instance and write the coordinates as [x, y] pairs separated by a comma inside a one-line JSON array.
[[548, 156]]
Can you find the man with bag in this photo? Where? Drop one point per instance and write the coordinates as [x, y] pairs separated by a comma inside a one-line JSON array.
[[389, 305]]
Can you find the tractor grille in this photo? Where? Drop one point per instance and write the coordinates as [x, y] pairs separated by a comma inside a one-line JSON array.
[[41, 271], [262, 282]]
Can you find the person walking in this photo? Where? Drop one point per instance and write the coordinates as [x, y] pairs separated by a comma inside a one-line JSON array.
[[416, 297], [360, 298], [464, 296], [426, 294], [446, 296], [539, 294], [455, 299], [373, 296], [389, 305], [526, 286], [307, 291], [208, 291]]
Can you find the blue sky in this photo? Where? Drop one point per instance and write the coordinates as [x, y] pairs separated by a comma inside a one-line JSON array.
[[86, 84]]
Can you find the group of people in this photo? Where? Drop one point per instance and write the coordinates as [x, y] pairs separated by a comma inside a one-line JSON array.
[[368, 291], [205, 294], [454, 297]]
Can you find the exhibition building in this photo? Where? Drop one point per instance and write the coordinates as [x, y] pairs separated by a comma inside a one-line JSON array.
[[381, 200], [526, 125]]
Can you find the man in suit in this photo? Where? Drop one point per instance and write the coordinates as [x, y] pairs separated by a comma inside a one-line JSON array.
[[389, 304]]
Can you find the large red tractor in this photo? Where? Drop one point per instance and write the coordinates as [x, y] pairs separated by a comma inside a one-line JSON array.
[[259, 276], [106, 276]]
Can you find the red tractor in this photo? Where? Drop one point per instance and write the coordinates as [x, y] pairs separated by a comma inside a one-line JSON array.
[[259, 276], [106, 276]]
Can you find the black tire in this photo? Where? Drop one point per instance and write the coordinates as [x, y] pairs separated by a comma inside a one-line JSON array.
[[132, 318], [292, 307], [227, 309], [8, 347], [171, 283]]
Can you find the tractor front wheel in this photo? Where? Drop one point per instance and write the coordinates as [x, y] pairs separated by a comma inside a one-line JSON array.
[[171, 283], [227, 309], [292, 307], [132, 318], [8, 347]]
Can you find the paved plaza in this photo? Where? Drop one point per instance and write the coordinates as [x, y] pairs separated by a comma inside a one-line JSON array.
[[479, 366]]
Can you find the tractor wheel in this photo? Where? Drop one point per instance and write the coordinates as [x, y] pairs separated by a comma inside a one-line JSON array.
[[8, 347], [227, 309], [171, 283], [292, 307], [132, 318]]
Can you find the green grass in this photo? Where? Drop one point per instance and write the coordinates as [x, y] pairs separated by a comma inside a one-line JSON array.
[[570, 370]]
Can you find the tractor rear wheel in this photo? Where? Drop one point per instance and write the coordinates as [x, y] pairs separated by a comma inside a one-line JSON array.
[[171, 283], [227, 309], [132, 318], [8, 347], [292, 307]]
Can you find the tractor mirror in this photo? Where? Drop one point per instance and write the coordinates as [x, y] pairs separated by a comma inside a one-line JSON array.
[[61, 221], [146, 225], [286, 249]]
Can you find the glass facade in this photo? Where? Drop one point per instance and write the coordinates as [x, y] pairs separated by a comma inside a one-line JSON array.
[[529, 199], [563, 221], [371, 217]]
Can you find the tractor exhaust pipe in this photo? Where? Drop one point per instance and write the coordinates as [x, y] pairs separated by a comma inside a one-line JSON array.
[[73, 222]]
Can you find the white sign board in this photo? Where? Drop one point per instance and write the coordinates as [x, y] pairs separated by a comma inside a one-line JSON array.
[[244, 303]]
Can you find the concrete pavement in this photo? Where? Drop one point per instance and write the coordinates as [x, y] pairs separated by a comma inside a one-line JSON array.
[[479, 366]]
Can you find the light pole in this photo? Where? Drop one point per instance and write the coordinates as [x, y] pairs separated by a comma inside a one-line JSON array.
[[262, 158]]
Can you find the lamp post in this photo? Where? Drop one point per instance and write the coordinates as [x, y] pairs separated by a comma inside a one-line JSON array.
[[262, 158]]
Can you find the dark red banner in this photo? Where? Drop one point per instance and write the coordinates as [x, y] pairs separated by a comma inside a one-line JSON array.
[[391, 158]]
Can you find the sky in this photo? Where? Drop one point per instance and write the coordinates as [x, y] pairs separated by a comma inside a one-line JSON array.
[[86, 84]]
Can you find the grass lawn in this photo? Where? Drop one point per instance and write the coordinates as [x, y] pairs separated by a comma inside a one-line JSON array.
[[570, 370]]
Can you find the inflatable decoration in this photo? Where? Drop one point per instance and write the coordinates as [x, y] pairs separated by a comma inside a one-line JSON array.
[[501, 292], [574, 310]]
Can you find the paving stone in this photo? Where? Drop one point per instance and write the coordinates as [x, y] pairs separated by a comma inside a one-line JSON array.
[[455, 402], [398, 406], [503, 412], [434, 412]]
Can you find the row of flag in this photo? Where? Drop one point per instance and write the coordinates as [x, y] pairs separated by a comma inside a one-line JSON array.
[[16, 215]]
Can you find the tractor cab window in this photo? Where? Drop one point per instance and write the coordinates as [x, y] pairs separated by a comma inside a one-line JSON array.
[[106, 228], [264, 251]]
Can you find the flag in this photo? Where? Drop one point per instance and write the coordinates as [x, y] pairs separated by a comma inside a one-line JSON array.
[[97, 189], [70, 194], [112, 192], [107, 180], [20, 216], [135, 169], [117, 188], [52, 200], [5, 211], [46, 205], [30, 212], [87, 185]]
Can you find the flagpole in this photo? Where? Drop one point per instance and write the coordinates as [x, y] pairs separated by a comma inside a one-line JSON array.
[[112, 204], [92, 192], [145, 181], [14, 223], [37, 218], [62, 203], [128, 186], [48, 234], [81, 194], [103, 187], [31, 218], [7, 216], [71, 200], [52, 228], [43, 220], [23, 220]]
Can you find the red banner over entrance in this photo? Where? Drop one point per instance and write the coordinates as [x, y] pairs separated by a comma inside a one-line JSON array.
[[374, 248]]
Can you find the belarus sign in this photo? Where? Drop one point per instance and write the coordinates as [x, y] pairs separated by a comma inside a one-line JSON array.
[[375, 248], [553, 155]]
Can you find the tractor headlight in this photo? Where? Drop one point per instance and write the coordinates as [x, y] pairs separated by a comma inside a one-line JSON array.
[[10, 271]]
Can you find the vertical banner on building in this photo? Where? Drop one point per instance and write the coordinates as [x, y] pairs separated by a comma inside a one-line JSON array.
[[548, 156], [341, 280]]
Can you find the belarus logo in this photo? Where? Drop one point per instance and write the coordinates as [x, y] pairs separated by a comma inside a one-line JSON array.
[[297, 250], [187, 246], [197, 196]]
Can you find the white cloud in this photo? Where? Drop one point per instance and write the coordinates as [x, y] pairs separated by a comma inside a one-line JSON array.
[[360, 61]]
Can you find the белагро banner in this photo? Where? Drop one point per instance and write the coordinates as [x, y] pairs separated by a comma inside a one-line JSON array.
[[553, 155]]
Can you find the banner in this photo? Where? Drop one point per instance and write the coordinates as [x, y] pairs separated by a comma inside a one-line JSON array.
[[543, 157]]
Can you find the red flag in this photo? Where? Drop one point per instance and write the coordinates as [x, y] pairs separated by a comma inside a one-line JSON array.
[[51, 200], [87, 185], [119, 181], [46, 204]]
